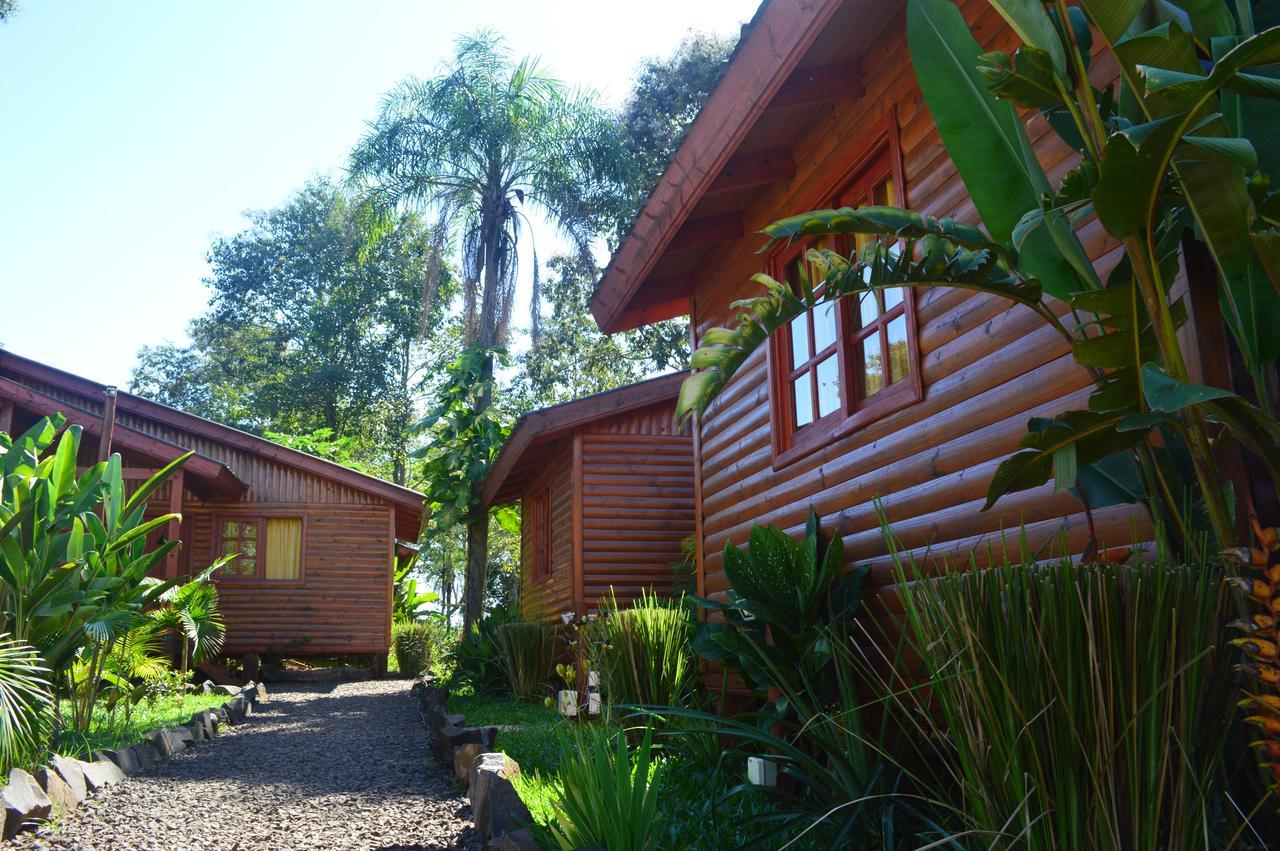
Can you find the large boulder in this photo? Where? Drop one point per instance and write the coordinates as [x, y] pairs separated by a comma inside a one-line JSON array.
[[146, 755], [101, 773], [495, 805], [123, 758], [72, 773], [25, 803], [448, 738], [56, 788], [464, 758]]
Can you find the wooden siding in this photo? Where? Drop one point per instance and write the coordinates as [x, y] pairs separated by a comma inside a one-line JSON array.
[[549, 597], [987, 368], [638, 503], [343, 603]]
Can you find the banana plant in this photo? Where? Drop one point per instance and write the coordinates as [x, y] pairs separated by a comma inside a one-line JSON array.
[[1160, 162]]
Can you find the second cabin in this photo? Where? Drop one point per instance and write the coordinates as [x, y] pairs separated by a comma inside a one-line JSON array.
[[605, 487]]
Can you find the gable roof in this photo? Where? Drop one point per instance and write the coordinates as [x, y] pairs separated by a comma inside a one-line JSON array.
[[547, 424], [796, 57], [408, 503]]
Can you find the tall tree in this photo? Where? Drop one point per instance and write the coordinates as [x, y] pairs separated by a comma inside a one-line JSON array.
[[308, 330], [481, 146]]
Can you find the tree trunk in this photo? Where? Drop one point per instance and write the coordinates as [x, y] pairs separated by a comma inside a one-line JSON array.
[[477, 559]]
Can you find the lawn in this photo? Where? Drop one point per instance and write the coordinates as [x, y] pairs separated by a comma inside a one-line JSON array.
[[694, 804], [114, 730]]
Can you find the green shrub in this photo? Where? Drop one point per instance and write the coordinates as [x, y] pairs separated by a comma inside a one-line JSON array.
[[475, 659], [642, 653], [609, 798], [415, 646], [1083, 707], [528, 655]]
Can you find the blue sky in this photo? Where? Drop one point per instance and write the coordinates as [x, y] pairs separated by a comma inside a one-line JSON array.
[[131, 133]]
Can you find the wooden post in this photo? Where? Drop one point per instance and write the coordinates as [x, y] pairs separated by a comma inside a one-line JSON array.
[[6, 418], [174, 530], [108, 423]]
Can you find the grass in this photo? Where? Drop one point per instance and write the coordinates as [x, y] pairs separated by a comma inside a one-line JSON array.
[[692, 803], [114, 731]]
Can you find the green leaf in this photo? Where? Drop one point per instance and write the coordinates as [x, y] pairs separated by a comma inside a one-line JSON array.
[[1239, 151], [1112, 17], [1027, 79], [1167, 394], [1033, 25]]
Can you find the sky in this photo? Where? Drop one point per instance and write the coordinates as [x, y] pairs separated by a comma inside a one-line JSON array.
[[134, 132]]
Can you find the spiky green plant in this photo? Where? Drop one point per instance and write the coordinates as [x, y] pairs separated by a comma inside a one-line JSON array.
[[25, 701], [190, 612], [642, 652], [610, 794], [528, 654]]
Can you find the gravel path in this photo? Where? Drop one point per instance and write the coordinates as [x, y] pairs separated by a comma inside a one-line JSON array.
[[323, 766]]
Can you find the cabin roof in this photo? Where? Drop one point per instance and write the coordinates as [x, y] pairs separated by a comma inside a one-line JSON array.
[[795, 59], [217, 475], [548, 424]]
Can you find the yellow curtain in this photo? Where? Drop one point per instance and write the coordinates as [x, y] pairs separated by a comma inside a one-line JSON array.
[[284, 548]]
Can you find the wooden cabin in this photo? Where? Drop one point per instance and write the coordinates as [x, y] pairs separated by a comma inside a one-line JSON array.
[[605, 486], [914, 398], [316, 541]]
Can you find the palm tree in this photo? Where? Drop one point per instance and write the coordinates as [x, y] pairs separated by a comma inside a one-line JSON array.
[[190, 612], [478, 146]]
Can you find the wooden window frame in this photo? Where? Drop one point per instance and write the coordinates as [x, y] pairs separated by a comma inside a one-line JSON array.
[[540, 549], [260, 517], [879, 152]]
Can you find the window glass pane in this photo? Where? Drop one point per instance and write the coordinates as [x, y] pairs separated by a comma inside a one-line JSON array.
[[824, 325], [249, 547], [872, 367], [799, 340], [868, 308], [828, 386], [283, 557], [250, 530], [229, 547], [230, 529], [892, 298], [248, 566], [883, 193], [802, 393], [898, 360]]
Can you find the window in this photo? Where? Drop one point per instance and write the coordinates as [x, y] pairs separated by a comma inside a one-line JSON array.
[[539, 520], [844, 364], [266, 548]]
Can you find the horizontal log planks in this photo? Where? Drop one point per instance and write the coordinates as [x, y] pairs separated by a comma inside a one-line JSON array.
[[340, 606], [549, 597]]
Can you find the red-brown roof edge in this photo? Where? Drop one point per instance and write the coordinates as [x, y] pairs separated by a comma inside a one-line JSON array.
[[217, 431], [537, 426], [781, 32]]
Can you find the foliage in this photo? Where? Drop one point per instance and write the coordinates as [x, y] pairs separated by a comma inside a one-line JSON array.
[[610, 795], [642, 653], [784, 594], [73, 577], [408, 603], [189, 611], [419, 645], [309, 329], [25, 700], [111, 728], [1144, 435], [1080, 706], [527, 652], [476, 660], [480, 146], [347, 450]]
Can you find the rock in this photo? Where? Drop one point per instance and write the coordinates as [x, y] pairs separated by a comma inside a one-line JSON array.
[[237, 709], [101, 773], [261, 689], [252, 665], [206, 721], [495, 806], [123, 758], [231, 690], [450, 737], [24, 801], [441, 719], [146, 755], [464, 757], [163, 743], [207, 687], [56, 788], [515, 840], [250, 694], [186, 735], [433, 697], [72, 774]]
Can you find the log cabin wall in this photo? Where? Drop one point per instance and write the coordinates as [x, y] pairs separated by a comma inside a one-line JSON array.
[[550, 596], [987, 369], [342, 604], [638, 503]]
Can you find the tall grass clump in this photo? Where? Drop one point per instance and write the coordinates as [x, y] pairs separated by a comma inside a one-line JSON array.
[[528, 655], [642, 653], [610, 795], [1083, 706], [415, 645]]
